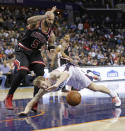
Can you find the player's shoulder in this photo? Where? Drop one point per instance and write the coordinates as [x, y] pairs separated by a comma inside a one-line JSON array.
[[59, 47]]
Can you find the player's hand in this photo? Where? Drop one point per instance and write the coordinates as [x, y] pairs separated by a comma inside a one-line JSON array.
[[71, 60], [22, 114], [49, 13], [53, 9]]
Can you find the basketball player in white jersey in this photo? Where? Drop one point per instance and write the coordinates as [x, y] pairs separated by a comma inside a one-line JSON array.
[[63, 53], [71, 75]]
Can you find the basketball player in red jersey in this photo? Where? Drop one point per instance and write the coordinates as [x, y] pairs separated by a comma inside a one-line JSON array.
[[28, 55]]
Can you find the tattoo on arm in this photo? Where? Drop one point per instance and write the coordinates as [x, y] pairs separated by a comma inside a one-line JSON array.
[[35, 19]]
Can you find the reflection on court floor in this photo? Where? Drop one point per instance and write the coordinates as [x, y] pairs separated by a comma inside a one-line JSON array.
[[95, 112]]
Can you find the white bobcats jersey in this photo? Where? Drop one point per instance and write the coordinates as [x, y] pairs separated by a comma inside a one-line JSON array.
[[77, 78], [61, 68], [59, 56]]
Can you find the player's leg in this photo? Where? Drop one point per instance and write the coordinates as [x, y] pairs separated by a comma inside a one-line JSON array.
[[37, 65], [39, 71], [103, 89], [14, 85], [22, 69]]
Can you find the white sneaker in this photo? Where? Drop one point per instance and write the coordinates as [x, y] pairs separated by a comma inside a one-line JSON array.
[[116, 100]]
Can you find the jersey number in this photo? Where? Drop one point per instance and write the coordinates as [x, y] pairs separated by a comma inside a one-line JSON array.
[[35, 44]]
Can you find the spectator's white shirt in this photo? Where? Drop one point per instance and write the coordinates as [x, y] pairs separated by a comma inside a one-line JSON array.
[[5, 34], [99, 56], [119, 36], [4, 69], [113, 55], [8, 51], [92, 29], [116, 64], [93, 54], [107, 36], [80, 26]]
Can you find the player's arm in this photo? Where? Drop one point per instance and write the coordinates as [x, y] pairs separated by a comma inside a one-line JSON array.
[[52, 39], [63, 54], [61, 77], [58, 48], [66, 56], [35, 19], [53, 59], [52, 48], [34, 100]]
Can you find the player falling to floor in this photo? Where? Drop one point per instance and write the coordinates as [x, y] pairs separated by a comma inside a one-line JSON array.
[[28, 54], [71, 75]]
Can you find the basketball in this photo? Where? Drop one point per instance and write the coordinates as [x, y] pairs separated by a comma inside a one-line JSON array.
[[73, 98]]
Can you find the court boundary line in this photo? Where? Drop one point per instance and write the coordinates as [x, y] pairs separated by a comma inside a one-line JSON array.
[[77, 124], [42, 113]]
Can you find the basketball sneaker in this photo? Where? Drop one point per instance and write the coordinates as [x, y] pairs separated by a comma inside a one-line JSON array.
[[34, 108], [8, 102], [116, 100]]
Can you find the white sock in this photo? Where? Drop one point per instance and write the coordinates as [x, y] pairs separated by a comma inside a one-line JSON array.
[[113, 93]]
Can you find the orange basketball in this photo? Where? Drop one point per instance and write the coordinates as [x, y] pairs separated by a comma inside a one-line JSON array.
[[73, 98]]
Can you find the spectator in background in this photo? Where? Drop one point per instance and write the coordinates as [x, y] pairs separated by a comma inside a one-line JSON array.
[[1, 56], [86, 26], [4, 67], [80, 27], [9, 52], [96, 36], [4, 71], [3, 79]]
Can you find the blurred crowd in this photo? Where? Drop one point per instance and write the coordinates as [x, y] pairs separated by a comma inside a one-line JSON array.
[[91, 44], [97, 3]]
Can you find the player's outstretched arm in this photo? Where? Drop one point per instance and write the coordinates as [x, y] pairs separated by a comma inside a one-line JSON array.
[[34, 100], [35, 19]]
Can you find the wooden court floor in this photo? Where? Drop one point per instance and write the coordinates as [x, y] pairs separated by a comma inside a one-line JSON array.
[[94, 113]]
